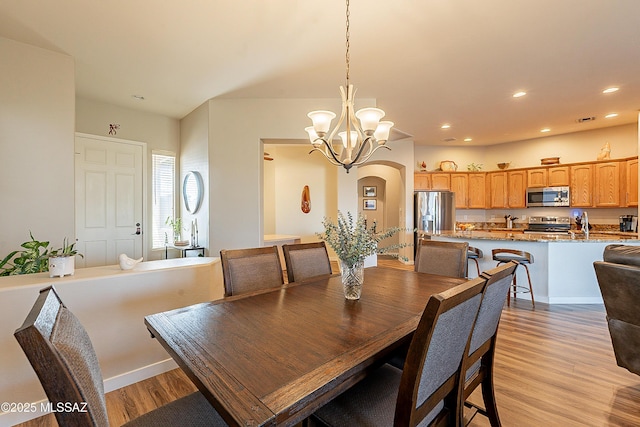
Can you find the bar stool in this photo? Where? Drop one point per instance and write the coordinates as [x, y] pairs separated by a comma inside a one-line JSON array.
[[522, 258], [473, 254]]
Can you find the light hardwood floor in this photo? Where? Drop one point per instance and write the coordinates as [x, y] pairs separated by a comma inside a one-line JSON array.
[[554, 366]]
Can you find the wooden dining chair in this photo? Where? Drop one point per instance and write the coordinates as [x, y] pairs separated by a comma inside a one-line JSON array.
[[60, 352], [252, 269], [427, 391], [304, 260], [477, 362], [443, 258]]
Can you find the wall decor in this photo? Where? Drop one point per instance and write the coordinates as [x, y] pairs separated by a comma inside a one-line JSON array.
[[369, 204], [369, 191], [192, 191], [305, 200], [113, 128]]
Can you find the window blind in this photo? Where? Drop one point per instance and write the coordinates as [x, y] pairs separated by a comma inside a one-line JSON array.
[[164, 173]]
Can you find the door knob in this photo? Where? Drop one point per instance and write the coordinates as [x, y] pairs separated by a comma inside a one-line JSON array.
[[138, 230]]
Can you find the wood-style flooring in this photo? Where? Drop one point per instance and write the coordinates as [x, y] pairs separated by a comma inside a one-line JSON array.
[[554, 366]]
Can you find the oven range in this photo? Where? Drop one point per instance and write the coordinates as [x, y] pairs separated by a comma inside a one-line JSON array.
[[548, 225]]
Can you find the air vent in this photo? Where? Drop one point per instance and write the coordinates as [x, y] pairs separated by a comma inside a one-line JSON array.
[[451, 139], [586, 119]]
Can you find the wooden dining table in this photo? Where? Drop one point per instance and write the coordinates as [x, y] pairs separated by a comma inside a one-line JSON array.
[[274, 357]]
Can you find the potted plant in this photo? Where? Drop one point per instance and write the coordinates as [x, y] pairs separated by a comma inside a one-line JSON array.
[[176, 226], [353, 242], [33, 259], [62, 261]]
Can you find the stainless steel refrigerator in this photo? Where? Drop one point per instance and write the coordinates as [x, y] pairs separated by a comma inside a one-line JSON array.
[[434, 211]]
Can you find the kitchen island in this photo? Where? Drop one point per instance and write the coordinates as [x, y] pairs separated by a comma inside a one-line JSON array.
[[562, 271]]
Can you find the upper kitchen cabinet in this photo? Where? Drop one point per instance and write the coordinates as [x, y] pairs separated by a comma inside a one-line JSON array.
[[498, 190], [440, 181], [421, 181], [477, 194], [517, 181], [607, 184], [460, 186], [557, 176], [631, 189], [581, 185]]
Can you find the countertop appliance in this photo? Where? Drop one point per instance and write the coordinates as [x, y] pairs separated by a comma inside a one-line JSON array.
[[433, 211], [629, 223], [549, 225], [547, 196]]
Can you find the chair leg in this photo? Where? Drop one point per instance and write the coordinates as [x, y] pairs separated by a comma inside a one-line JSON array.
[[514, 284], [477, 266], [488, 395], [533, 302]]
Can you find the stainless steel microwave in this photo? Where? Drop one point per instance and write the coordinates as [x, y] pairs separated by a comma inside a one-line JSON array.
[[548, 196]]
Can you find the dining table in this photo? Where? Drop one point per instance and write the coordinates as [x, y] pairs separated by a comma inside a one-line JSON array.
[[272, 357]]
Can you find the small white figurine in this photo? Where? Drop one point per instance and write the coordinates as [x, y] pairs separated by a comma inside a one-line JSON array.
[[127, 263], [605, 152]]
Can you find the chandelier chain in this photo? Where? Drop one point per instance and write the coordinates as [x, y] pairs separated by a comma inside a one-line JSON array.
[[347, 56]]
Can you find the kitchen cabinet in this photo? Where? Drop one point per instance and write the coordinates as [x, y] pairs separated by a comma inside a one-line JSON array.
[[477, 194], [581, 185], [421, 181], [498, 190], [517, 184], [631, 189], [557, 176], [537, 177], [440, 181], [607, 184], [460, 186]]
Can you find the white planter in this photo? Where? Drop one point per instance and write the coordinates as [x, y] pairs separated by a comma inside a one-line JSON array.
[[60, 266]]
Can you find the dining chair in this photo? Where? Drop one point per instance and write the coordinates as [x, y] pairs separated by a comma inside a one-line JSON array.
[[304, 260], [477, 363], [62, 355], [252, 269], [426, 392], [443, 258]]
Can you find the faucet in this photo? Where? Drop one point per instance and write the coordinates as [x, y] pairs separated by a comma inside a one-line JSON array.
[[585, 224]]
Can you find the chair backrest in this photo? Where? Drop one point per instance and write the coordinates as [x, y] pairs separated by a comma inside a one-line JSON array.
[[62, 356], [430, 379], [304, 260], [483, 336], [246, 270], [619, 280], [443, 258]]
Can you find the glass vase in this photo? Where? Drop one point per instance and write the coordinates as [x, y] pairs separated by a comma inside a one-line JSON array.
[[352, 279]]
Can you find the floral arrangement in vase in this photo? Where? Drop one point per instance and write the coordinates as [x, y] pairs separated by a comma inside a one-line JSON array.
[[353, 241]]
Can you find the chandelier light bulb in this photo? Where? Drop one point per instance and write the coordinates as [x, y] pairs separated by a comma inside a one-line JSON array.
[[382, 132], [369, 119], [321, 121], [313, 136], [352, 140]]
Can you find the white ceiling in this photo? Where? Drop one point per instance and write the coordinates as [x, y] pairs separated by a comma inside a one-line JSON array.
[[427, 62]]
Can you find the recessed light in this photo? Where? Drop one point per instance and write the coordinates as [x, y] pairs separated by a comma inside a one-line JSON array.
[[468, 139], [611, 89], [611, 116], [445, 126], [545, 130], [138, 97], [519, 94]]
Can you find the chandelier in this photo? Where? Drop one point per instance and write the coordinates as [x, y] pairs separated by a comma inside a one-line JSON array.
[[363, 133]]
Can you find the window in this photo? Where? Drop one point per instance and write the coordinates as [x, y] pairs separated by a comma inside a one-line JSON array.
[[164, 175]]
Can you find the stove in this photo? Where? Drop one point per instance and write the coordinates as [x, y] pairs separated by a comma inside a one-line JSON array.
[[549, 225]]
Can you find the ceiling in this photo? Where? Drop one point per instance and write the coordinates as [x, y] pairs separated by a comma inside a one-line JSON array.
[[426, 62]]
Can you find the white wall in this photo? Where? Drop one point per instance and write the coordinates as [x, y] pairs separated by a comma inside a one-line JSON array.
[[159, 132], [37, 108], [194, 148]]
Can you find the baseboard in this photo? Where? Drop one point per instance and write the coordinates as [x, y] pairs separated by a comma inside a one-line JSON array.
[[110, 384], [576, 300]]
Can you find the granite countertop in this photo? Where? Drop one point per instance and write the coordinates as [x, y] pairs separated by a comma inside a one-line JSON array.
[[495, 234]]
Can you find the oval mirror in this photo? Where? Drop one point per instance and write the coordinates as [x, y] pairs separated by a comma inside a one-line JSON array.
[[192, 191]]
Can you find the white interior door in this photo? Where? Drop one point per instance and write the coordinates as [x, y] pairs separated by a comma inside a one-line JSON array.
[[109, 199]]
